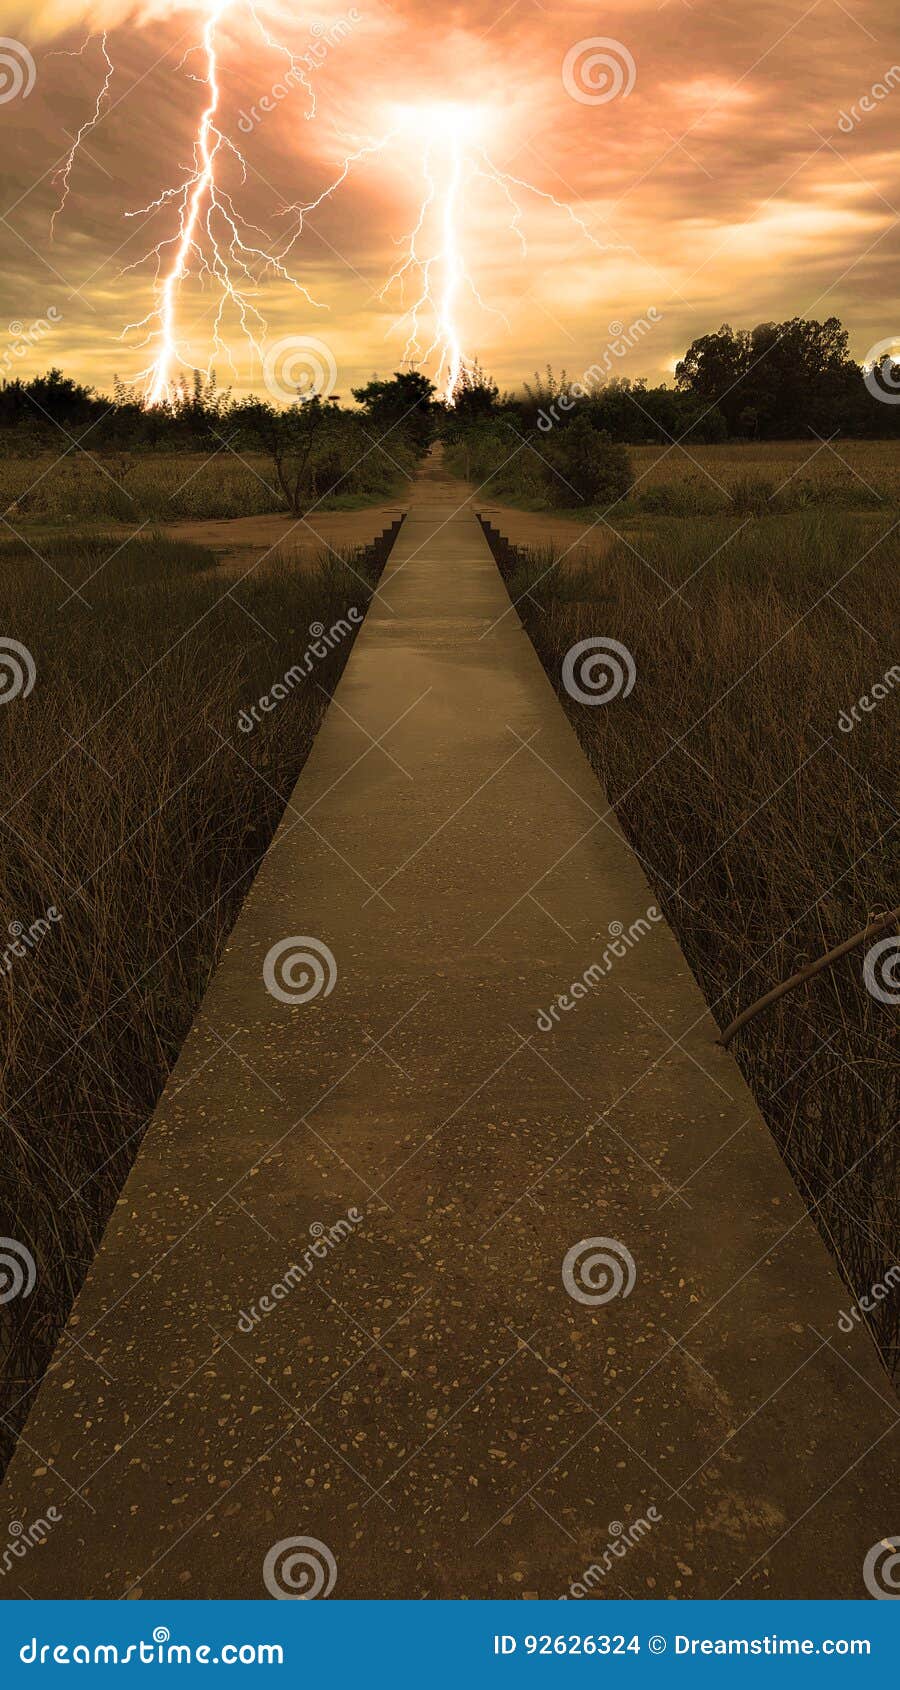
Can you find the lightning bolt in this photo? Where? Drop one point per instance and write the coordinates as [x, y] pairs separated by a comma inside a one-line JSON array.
[[211, 236], [442, 273], [211, 232], [213, 239], [64, 174], [433, 258]]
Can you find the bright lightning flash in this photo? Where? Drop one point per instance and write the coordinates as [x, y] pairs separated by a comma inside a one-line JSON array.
[[230, 256], [443, 131], [449, 141], [211, 237]]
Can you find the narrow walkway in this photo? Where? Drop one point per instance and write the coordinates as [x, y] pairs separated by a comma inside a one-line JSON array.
[[425, 1396]]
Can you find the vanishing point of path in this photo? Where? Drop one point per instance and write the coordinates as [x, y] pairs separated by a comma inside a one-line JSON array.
[[426, 1398]]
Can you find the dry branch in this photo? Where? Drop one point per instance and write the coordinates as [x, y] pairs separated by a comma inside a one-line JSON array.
[[806, 973]]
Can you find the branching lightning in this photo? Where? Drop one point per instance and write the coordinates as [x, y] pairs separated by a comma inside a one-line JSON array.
[[213, 239], [433, 263], [64, 174], [211, 233]]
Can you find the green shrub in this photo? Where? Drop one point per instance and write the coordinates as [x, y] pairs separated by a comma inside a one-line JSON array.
[[591, 468], [751, 495]]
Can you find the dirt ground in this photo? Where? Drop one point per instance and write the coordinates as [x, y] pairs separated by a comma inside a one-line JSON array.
[[241, 541], [536, 529]]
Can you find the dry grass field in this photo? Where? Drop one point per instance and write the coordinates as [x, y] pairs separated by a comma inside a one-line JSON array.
[[134, 813], [768, 830], [779, 477], [165, 487], [873, 464]]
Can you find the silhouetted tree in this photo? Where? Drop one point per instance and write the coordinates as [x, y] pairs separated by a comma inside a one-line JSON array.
[[476, 396], [404, 401], [289, 439], [776, 381]]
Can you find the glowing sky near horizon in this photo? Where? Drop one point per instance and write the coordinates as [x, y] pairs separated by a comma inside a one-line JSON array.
[[724, 187]]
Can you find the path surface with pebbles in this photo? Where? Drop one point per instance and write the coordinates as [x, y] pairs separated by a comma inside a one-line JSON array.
[[354, 1290]]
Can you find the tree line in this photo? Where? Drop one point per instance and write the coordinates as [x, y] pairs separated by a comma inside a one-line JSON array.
[[777, 381]]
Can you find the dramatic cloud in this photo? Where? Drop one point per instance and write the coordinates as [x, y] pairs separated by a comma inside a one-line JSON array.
[[743, 169]]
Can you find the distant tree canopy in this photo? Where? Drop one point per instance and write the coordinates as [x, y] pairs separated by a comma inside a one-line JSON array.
[[781, 380], [38, 408]]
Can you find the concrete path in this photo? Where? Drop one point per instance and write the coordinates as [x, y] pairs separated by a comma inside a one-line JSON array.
[[429, 1392]]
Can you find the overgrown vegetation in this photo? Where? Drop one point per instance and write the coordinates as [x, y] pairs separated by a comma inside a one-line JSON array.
[[135, 809], [769, 834], [562, 442], [67, 452], [579, 467]]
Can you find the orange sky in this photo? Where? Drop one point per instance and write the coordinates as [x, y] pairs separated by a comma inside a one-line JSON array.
[[724, 186]]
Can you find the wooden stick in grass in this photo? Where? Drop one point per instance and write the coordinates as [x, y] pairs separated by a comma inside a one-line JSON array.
[[806, 973]]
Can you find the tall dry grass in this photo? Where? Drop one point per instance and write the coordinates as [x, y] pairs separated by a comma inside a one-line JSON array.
[[530, 470], [170, 486], [132, 806], [769, 834]]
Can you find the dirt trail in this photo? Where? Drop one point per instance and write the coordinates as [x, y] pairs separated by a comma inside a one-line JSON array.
[[239, 541], [242, 541], [579, 540]]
